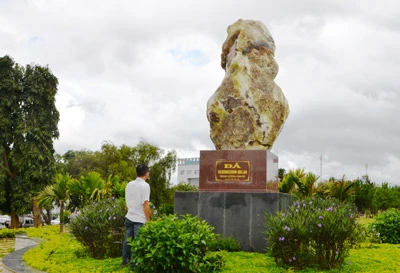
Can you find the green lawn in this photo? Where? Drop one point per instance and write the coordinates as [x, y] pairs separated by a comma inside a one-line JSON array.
[[60, 254], [377, 259]]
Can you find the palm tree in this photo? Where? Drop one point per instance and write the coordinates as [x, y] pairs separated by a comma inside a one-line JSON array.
[[305, 185], [117, 188], [90, 188], [56, 193], [341, 189], [290, 180]]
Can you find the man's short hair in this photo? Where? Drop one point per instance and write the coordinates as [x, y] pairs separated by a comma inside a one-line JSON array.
[[142, 169]]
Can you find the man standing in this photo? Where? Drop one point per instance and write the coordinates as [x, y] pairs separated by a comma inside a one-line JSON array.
[[137, 197]]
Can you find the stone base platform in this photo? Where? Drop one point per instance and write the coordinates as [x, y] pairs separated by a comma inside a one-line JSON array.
[[237, 214]]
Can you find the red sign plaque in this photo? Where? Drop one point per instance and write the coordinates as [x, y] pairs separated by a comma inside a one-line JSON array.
[[233, 170]]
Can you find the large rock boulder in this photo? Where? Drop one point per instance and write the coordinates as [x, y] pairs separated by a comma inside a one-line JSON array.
[[248, 109]]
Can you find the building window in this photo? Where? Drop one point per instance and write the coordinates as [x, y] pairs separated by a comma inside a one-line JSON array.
[[189, 171], [182, 172], [196, 171]]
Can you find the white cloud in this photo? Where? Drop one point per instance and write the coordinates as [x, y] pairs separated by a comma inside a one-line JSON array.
[[145, 70]]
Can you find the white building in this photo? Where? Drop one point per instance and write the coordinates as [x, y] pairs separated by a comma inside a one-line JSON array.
[[188, 169]]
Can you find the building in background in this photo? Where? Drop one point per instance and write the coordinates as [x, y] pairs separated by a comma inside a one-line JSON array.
[[188, 169]]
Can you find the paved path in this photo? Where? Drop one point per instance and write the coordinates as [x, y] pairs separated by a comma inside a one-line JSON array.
[[6, 246]]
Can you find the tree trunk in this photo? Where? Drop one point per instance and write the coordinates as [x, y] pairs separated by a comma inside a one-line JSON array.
[[61, 215], [46, 216], [14, 220], [37, 218]]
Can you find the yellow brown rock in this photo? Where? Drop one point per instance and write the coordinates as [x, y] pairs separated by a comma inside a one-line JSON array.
[[248, 109]]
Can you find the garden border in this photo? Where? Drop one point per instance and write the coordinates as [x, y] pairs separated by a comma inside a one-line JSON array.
[[13, 263]]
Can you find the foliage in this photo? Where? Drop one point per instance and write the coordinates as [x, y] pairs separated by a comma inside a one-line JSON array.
[[44, 232], [10, 233], [28, 125], [298, 182], [305, 186], [174, 245], [340, 189], [89, 188], [384, 197], [121, 162], [63, 254], [364, 191], [100, 228], [58, 193], [59, 253], [288, 182], [165, 209], [313, 232], [281, 174], [387, 225], [221, 243], [184, 187]]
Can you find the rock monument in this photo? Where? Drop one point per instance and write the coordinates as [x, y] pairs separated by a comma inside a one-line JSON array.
[[248, 109], [246, 114]]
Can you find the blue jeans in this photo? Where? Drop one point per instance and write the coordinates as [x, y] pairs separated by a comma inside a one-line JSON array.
[[132, 229]]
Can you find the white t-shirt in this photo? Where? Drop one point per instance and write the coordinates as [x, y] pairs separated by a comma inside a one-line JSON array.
[[136, 193]]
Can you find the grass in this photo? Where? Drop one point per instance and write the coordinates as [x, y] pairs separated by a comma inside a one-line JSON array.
[[60, 253]]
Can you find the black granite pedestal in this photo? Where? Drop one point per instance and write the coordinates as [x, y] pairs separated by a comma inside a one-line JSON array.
[[241, 215]]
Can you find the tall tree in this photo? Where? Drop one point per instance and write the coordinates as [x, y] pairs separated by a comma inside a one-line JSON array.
[[364, 191], [28, 125]]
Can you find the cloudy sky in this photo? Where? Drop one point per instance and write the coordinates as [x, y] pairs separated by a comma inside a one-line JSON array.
[[144, 70]]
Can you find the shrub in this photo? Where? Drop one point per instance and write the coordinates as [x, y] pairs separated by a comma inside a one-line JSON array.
[[10, 233], [229, 244], [166, 209], [66, 217], [184, 187], [313, 232], [100, 228], [387, 226], [174, 245]]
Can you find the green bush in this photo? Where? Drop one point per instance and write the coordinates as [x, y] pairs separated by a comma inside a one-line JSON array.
[[174, 245], [166, 209], [313, 232], [229, 244], [10, 233], [184, 187], [66, 217], [387, 226], [100, 228]]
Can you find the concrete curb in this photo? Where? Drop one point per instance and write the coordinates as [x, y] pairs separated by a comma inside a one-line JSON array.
[[13, 263]]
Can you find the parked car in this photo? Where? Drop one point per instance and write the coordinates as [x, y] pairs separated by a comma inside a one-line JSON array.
[[5, 221], [55, 221], [26, 221]]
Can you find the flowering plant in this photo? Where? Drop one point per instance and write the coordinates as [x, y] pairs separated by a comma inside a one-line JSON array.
[[313, 232], [100, 227]]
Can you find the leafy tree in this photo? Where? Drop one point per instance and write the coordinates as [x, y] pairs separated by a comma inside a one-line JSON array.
[[28, 125], [281, 174], [160, 176], [383, 198], [121, 162], [364, 191]]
